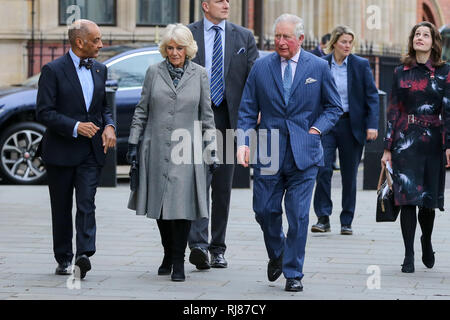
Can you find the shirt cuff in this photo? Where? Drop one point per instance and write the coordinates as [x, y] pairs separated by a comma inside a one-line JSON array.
[[320, 132], [75, 130], [111, 126]]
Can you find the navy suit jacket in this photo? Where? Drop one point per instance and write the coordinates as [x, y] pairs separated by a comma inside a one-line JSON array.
[[362, 96], [60, 104], [314, 102], [240, 54]]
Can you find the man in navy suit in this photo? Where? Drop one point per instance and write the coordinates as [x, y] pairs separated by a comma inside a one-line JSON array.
[[298, 101], [233, 48], [71, 103], [359, 123]]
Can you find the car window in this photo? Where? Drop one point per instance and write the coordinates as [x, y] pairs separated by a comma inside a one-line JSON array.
[[130, 72]]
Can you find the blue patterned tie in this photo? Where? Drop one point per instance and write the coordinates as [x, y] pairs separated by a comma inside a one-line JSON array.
[[217, 69], [287, 81]]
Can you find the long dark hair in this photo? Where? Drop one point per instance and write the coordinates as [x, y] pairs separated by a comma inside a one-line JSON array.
[[436, 47]]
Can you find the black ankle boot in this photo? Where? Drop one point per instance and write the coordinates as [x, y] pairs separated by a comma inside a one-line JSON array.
[[408, 264], [166, 266], [427, 252], [178, 272]]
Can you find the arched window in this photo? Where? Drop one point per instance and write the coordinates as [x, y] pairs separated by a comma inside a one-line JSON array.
[[427, 14]]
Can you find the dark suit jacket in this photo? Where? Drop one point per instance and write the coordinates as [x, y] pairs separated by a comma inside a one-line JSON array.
[[362, 96], [317, 52], [60, 104], [314, 102], [237, 62]]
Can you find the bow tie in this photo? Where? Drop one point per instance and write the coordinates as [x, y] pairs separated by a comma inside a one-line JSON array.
[[87, 64]]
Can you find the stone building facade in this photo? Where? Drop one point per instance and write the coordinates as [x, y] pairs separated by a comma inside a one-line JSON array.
[[37, 26]]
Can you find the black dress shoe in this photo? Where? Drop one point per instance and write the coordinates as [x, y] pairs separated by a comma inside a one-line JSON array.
[[346, 230], [427, 253], [275, 268], [322, 225], [84, 265], [199, 258], [165, 268], [64, 269], [293, 285], [218, 261], [408, 265]]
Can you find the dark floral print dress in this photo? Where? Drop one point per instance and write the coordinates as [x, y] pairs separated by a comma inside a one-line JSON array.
[[418, 132]]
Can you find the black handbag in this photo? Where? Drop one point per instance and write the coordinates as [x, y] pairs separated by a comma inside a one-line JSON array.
[[387, 211]]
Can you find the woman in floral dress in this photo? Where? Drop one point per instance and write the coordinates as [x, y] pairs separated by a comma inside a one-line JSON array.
[[417, 141]]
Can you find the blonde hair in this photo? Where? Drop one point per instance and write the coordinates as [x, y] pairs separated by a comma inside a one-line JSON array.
[[336, 34], [182, 36]]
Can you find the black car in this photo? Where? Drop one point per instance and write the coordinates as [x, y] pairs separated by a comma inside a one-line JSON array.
[[20, 134]]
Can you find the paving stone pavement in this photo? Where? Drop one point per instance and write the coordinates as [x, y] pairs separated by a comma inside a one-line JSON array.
[[129, 253]]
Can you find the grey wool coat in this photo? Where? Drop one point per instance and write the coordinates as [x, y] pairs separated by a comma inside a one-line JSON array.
[[169, 187]]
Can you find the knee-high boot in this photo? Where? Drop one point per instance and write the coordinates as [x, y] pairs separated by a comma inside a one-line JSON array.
[[180, 232], [426, 221], [408, 222], [165, 230]]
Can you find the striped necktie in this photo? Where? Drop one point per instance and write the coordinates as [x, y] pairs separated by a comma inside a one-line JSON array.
[[217, 69], [287, 82]]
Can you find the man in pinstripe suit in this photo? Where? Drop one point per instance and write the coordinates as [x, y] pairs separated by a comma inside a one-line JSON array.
[[298, 101]]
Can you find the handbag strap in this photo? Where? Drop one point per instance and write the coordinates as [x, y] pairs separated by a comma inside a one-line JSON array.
[[384, 173], [380, 180]]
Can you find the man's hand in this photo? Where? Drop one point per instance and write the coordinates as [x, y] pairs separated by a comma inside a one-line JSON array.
[[372, 134], [313, 131], [243, 156], [447, 155], [108, 138], [87, 129]]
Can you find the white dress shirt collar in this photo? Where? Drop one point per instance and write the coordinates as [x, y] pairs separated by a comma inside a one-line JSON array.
[[295, 58], [208, 24]]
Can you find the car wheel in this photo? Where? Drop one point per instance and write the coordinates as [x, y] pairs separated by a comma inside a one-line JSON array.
[[18, 161]]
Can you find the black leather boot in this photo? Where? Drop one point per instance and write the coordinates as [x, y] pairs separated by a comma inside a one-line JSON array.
[[427, 252], [426, 221], [180, 231], [165, 229], [408, 264], [166, 266], [178, 271]]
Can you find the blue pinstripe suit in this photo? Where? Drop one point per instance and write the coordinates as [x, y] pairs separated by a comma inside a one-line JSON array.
[[314, 102]]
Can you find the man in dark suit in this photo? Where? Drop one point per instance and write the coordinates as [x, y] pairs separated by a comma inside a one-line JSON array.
[[358, 124], [319, 50], [71, 103], [227, 51], [298, 101]]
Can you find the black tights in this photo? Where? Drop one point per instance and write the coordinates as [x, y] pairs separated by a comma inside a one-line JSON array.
[[174, 237], [408, 222]]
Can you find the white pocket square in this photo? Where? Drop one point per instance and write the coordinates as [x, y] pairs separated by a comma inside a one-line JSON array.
[[310, 80]]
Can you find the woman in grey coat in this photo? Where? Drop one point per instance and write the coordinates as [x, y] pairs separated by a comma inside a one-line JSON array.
[[171, 118]]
